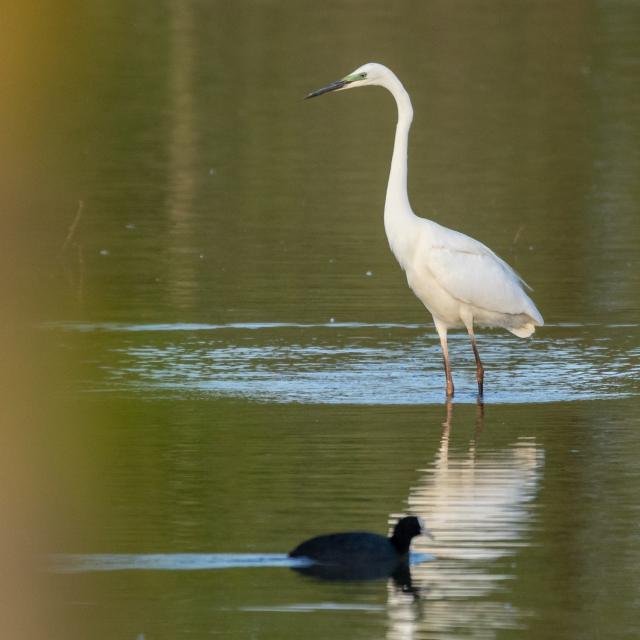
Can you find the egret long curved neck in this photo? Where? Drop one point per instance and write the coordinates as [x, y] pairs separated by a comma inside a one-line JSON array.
[[398, 216]]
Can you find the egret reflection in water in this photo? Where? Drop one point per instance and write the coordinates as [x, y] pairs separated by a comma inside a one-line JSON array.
[[480, 506]]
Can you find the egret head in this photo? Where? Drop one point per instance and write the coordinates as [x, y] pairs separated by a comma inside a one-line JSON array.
[[368, 74]]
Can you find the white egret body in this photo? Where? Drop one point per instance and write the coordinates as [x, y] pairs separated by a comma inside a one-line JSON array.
[[458, 279]]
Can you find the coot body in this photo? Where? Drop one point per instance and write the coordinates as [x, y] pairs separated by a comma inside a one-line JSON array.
[[356, 547], [359, 554]]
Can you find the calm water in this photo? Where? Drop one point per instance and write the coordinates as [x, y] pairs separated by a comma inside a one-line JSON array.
[[224, 359]]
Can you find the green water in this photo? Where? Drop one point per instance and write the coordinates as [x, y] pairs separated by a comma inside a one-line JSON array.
[[228, 359]]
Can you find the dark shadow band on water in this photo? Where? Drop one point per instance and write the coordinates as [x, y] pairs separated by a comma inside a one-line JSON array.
[[310, 607], [87, 327]]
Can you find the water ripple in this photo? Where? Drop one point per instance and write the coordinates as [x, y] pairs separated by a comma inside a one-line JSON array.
[[87, 563], [355, 363], [83, 563]]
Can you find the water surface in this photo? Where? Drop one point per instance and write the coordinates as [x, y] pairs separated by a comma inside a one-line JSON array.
[[222, 357], [355, 363]]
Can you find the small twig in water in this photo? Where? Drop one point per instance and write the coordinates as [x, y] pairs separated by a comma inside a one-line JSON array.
[[518, 233], [73, 226]]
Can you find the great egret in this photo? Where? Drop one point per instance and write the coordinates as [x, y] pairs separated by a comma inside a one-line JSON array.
[[458, 279]]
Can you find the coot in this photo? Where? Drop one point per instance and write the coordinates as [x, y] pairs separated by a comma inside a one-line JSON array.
[[359, 554]]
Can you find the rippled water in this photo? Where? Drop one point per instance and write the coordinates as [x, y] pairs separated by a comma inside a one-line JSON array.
[[359, 363]]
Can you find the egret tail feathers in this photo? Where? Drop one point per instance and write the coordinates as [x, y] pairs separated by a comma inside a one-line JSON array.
[[523, 331]]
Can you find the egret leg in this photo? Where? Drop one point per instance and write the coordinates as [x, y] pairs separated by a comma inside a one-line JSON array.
[[479, 367], [442, 333]]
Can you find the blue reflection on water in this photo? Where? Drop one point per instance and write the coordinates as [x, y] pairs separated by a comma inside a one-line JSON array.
[[81, 563], [85, 563]]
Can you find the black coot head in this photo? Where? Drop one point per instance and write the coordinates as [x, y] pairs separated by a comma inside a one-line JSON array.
[[406, 529]]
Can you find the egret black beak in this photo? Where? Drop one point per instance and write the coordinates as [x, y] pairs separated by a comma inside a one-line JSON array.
[[338, 84]]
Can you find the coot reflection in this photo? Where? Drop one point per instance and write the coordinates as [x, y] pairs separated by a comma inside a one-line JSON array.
[[360, 555]]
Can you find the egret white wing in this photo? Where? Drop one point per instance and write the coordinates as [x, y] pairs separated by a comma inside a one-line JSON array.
[[472, 273]]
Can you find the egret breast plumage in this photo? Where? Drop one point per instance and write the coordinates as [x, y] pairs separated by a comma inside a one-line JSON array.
[[460, 281]]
